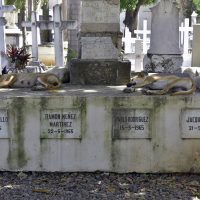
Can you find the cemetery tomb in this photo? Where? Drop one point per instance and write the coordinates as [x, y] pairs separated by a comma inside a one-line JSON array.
[[98, 128]]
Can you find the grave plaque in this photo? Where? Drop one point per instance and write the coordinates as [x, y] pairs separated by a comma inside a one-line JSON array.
[[131, 123], [61, 123], [190, 123], [3, 123]]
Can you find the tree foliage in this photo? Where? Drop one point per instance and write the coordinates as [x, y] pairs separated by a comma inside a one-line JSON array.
[[196, 4], [132, 4], [132, 8], [21, 3]]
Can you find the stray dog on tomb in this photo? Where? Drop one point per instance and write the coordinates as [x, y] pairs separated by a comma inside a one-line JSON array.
[[35, 81], [159, 84]]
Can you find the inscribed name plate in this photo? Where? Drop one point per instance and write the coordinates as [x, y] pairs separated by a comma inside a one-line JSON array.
[[61, 123], [131, 123], [3, 123], [100, 12], [190, 123]]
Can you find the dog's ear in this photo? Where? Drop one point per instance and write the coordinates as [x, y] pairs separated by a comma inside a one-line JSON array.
[[142, 74], [196, 73]]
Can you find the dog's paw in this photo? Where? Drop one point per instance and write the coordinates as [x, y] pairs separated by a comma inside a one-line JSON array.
[[38, 88], [146, 91], [130, 84], [129, 90]]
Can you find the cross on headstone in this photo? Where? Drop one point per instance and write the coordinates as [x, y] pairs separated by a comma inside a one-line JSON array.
[[128, 41], [185, 30], [138, 55], [3, 9], [194, 18], [34, 30], [58, 25], [144, 33]]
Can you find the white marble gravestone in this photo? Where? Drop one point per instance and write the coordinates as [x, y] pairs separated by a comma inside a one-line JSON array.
[[164, 54]]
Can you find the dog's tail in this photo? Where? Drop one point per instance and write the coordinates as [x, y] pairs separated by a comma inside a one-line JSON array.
[[190, 91]]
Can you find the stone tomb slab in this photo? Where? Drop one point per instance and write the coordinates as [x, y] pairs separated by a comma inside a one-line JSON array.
[[3, 123], [131, 123], [190, 123], [61, 124]]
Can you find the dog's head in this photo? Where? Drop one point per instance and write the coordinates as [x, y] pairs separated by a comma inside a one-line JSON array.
[[137, 78]]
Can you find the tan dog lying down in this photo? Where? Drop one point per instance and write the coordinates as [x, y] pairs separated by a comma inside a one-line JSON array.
[[36, 81], [159, 84]]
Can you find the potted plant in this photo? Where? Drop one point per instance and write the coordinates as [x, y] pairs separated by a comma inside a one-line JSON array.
[[18, 58]]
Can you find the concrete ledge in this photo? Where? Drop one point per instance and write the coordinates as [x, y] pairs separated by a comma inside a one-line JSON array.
[[98, 128], [100, 72]]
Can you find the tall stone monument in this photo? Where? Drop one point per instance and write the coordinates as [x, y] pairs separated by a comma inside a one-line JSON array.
[[100, 46], [195, 46], [164, 54]]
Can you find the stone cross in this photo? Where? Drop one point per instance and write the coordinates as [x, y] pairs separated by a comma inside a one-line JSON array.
[[3, 9], [194, 18], [58, 25], [128, 41], [138, 55], [34, 30], [144, 34], [185, 30]]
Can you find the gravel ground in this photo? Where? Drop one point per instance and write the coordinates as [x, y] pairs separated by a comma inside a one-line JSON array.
[[61, 186]]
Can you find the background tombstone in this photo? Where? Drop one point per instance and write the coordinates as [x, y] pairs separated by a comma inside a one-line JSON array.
[[100, 46], [195, 46], [164, 54], [3, 9], [13, 33], [138, 55]]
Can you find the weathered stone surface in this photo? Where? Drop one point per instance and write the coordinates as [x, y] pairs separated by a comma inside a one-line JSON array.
[[165, 151], [162, 63], [98, 48], [100, 12], [102, 72]]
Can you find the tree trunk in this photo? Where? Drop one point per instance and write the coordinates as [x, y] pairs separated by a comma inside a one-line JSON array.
[[132, 16], [22, 17], [45, 34]]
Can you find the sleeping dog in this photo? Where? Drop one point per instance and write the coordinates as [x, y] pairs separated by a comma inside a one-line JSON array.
[[35, 81], [159, 84]]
